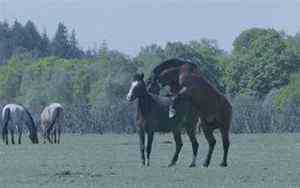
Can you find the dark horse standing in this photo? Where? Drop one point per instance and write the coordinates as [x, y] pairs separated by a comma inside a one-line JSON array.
[[152, 116], [187, 84]]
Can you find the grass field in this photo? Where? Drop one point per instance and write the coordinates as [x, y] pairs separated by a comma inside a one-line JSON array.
[[114, 161]]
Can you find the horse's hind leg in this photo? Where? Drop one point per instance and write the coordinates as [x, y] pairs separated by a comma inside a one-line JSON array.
[[45, 136], [208, 133], [178, 141], [5, 134], [48, 134], [149, 146], [142, 145], [55, 136], [59, 133], [12, 137], [226, 143], [192, 136]]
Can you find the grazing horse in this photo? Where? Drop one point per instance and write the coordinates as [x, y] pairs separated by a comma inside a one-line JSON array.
[[51, 120], [14, 117], [152, 116], [214, 109]]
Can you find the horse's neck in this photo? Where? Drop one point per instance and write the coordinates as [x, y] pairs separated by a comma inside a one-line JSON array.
[[144, 104], [29, 122]]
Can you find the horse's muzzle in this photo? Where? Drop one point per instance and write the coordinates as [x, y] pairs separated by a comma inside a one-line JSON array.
[[129, 98]]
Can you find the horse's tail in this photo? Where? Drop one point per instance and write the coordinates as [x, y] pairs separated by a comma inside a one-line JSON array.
[[5, 118], [58, 112]]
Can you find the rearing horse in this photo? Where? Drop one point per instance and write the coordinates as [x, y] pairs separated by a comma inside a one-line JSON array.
[[14, 117], [214, 109], [152, 116]]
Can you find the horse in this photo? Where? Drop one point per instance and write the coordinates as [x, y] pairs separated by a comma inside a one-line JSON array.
[[215, 111], [51, 122], [14, 117], [152, 116]]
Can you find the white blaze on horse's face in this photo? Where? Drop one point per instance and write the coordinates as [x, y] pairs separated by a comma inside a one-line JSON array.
[[130, 93]]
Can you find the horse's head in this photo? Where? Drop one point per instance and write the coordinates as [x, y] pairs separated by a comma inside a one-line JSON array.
[[153, 86], [169, 76], [33, 136], [137, 88]]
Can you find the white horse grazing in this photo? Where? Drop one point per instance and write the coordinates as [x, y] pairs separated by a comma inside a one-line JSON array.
[[52, 119], [14, 117]]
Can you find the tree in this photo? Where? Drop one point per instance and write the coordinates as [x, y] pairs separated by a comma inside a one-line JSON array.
[[74, 51], [18, 37], [45, 45], [5, 42], [262, 59], [60, 43], [32, 38]]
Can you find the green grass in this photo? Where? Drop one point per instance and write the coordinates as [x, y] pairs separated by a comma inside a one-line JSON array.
[[114, 161]]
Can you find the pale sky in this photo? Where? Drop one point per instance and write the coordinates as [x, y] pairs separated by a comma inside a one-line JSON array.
[[127, 25]]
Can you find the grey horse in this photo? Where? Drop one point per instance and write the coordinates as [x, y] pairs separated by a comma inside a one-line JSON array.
[[51, 121], [14, 117]]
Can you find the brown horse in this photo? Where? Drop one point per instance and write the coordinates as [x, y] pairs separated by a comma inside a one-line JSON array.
[[152, 116], [213, 108]]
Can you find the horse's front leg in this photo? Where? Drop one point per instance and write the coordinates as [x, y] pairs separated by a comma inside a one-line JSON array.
[[142, 145], [178, 141], [20, 130], [45, 136], [48, 134], [183, 93], [149, 146]]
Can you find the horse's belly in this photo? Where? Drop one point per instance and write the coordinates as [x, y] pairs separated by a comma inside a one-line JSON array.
[[160, 124]]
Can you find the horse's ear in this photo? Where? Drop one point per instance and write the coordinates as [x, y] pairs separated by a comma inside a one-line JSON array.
[[142, 76]]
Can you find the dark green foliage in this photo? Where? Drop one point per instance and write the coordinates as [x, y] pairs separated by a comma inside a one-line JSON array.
[[65, 45], [17, 39], [262, 59]]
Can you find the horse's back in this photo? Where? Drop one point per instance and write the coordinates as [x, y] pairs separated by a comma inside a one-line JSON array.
[[16, 112], [51, 112]]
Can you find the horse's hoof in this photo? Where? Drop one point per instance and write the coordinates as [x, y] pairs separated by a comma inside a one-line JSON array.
[[172, 164], [206, 165], [192, 165], [223, 164]]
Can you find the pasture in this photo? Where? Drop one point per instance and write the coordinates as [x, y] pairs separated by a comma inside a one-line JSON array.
[[258, 160]]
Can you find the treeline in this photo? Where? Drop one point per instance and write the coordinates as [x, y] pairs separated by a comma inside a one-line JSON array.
[[17, 38], [260, 76]]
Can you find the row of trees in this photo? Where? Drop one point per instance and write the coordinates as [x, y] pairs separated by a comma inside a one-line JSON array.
[[260, 76], [18, 38]]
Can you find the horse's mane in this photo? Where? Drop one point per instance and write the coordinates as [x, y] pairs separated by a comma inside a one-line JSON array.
[[170, 63]]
